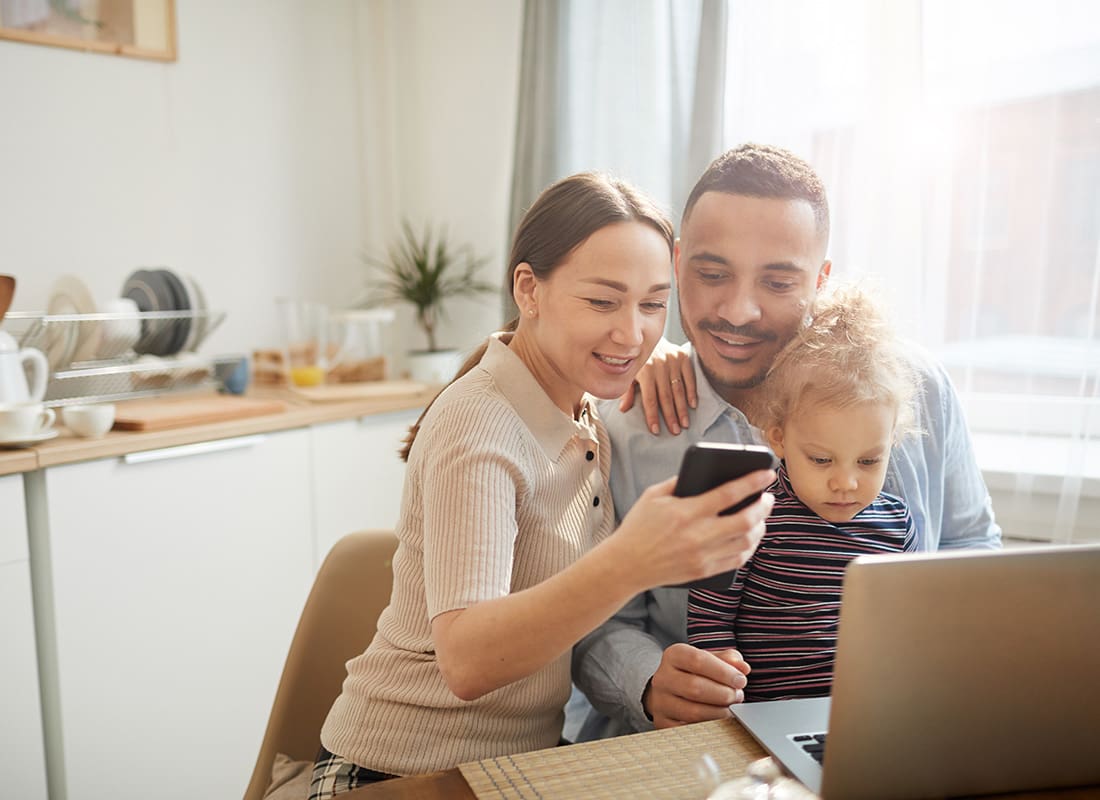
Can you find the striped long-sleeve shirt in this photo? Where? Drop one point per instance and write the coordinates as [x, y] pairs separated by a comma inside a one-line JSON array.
[[783, 608]]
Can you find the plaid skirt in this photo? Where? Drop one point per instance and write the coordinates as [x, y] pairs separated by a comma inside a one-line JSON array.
[[333, 775]]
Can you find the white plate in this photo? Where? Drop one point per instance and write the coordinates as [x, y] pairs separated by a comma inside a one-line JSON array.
[[69, 295], [198, 306], [32, 439]]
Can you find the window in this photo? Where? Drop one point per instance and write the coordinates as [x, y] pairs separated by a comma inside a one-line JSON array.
[[960, 143]]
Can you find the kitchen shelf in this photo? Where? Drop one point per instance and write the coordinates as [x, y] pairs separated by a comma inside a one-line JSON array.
[[145, 376], [75, 344]]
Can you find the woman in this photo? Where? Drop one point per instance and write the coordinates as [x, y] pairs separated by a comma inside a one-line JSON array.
[[507, 556]]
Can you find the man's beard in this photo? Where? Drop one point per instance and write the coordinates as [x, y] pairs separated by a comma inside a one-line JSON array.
[[726, 388], [723, 387]]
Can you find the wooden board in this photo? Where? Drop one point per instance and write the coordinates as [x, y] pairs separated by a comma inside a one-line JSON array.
[[160, 413], [336, 392]]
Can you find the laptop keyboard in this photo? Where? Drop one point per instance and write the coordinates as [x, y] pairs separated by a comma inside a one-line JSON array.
[[813, 744]]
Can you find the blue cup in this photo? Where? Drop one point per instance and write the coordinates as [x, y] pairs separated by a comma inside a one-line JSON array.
[[233, 374]]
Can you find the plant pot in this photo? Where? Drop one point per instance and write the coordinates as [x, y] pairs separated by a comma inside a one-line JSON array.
[[434, 366]]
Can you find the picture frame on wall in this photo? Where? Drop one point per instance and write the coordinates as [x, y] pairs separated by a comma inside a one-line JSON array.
[[136, 28]]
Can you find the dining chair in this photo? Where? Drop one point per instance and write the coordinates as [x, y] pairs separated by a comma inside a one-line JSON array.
[[337, 623]]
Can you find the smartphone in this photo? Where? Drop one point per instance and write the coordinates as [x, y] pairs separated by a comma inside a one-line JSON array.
[[710, 464]]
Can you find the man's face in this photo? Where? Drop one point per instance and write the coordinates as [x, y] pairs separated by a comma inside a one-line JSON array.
[[747, 269]]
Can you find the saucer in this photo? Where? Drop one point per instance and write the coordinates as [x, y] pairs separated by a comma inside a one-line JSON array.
[[33, 439]]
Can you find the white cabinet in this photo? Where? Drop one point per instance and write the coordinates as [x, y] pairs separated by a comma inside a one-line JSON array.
[[22, 762], [178, 581], [357, 475]]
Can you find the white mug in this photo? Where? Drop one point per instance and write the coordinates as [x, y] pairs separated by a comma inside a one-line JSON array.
[[21, 421]]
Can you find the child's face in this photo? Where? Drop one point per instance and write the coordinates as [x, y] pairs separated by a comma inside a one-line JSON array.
[[836, 457]]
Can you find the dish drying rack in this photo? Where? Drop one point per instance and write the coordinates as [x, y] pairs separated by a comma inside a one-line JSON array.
[[90, 362]]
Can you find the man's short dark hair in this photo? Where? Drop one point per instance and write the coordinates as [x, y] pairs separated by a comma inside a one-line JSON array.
[[762, 170]]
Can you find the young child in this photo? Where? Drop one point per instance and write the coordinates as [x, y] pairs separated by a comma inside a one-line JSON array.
[[835, 401]]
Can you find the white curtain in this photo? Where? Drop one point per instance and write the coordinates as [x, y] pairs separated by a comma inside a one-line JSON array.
[[960, 145], [628, 87]]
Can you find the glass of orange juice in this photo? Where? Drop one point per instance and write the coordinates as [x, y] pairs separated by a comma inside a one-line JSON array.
[[304, 327]]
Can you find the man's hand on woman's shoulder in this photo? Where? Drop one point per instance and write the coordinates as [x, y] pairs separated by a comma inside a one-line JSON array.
[[667, 387]]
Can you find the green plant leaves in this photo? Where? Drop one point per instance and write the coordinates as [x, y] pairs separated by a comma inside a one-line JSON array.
[[423, 271]]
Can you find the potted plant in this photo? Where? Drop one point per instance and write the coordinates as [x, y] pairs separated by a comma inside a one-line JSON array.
[[425, 271]]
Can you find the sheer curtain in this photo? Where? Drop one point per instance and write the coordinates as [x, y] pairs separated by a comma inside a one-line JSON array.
[[632, 88], [960, 144]]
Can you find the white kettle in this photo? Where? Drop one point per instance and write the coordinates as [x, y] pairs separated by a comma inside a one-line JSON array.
[[13, 376]]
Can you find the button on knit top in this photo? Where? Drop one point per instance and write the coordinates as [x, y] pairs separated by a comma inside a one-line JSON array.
[[498, 497]]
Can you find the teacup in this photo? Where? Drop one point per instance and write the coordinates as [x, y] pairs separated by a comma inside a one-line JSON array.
[[89, 421], [22, 421]]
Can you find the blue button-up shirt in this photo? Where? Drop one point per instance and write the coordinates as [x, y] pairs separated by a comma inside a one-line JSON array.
[[934, 471]]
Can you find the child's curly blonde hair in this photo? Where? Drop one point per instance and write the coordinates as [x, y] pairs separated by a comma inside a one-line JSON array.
[[845, 355]]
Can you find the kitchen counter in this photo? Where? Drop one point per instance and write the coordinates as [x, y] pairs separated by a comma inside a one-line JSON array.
[[67, 448], [12, 461], [178, 557]]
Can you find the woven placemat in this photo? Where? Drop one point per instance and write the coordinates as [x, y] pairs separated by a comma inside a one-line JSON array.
[[657, 764]]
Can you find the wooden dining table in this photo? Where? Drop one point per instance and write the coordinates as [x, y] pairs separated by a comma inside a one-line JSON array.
[[654, 764], [657, 764]]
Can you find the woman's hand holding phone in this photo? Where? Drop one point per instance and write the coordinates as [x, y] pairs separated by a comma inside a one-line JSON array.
[[673, 540], [710, 464]]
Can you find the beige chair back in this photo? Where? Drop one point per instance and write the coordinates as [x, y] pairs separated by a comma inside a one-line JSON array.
[[338, 622]]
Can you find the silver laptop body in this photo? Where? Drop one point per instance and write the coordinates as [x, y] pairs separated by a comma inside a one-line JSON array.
[[956, 673]]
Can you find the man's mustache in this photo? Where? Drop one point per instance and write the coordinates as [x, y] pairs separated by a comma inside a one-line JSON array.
[[724, 328]]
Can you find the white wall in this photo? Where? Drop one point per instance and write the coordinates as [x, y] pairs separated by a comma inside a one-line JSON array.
[[446, 75], [261, 160]]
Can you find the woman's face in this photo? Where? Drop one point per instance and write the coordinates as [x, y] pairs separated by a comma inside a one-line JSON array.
[[596, 319]]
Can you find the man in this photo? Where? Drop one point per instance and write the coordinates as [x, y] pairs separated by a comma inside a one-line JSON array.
[[750, 259]]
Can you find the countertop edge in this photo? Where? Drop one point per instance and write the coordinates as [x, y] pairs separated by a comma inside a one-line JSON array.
[[69, 449], [14, 462]]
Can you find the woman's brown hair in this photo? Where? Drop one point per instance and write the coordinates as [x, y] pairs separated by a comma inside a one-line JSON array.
[[559, 221]]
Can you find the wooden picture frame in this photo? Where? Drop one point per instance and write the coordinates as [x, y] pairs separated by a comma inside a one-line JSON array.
[[136, 28]]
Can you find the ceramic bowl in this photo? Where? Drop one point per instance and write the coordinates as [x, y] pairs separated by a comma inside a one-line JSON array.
[[89, 421]]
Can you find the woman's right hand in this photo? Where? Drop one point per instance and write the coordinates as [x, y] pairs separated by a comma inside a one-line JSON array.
[[678, 539]]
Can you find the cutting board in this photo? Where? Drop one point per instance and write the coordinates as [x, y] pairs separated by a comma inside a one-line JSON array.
[[367, 390], [160, 413]]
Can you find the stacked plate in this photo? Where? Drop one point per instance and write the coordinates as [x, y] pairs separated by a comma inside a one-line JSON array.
[[167, 291], [66, 343]]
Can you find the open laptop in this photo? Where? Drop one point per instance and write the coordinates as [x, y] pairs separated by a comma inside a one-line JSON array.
[[956, 673]]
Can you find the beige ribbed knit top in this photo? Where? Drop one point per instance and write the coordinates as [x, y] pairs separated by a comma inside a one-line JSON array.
[[503, 490]]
